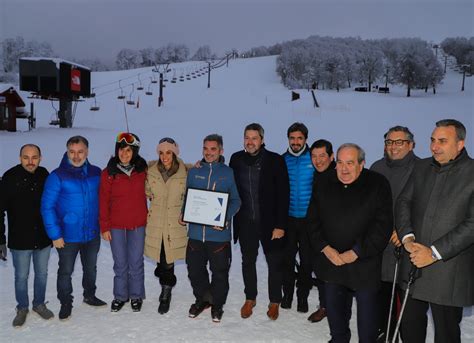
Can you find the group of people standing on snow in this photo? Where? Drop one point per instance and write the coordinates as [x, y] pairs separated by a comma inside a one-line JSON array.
[[353, 227]]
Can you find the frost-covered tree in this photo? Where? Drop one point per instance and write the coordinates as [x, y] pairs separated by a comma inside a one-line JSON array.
[[334, 71], [148, 57], [172, 53], [203, 53], [410, 66], [460, 48], [95, 64], [12, 50], [433, 72], [370, 61], [291, 66], [15, 48], [128, 59]]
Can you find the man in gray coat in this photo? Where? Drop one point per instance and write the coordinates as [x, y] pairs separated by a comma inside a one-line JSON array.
[[435, 218], [397, 166]]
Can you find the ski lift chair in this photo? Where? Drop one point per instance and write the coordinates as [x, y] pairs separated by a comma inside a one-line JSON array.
[[149, 92], [140, 86], [94, 107], [173, 80], [130, 101], [121, 96]]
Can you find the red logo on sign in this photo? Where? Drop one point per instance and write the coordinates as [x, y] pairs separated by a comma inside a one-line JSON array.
[[76, 80]]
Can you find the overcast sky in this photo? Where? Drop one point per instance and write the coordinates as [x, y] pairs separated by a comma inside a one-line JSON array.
[[100, 28]]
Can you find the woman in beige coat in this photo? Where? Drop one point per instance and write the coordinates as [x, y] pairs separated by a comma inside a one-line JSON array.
[[166, 239]]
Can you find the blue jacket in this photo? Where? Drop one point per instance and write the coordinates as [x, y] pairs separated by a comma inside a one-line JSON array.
[[70, 202], [300, 173], [219, 177]]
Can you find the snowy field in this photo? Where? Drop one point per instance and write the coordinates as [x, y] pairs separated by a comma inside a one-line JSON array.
[[246, 91]]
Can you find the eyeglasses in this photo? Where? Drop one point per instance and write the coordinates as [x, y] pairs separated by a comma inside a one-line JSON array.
[[397, 142], [167, 140], [127, 138]]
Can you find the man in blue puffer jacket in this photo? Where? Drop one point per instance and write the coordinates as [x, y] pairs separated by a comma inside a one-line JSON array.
[[300, 174], [209, 243], [70, 210]]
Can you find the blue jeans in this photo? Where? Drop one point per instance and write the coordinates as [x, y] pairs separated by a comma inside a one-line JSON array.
[[21, 263], [67, 259], [127, 250]]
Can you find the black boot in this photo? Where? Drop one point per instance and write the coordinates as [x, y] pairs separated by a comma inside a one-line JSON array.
[[165, 299], [287, 300]]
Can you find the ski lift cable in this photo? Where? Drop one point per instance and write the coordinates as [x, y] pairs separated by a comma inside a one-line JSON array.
[[115, 89], [125, 78]]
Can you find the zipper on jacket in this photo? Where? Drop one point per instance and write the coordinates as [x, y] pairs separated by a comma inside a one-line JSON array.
[[251, 193], [208, 185]]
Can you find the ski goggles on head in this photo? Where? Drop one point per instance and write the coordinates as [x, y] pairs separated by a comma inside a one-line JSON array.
[[127, 138], [167, 140]]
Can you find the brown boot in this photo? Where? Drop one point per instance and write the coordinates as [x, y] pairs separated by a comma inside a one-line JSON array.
[[246, 310], [317, 316], [272, 312]]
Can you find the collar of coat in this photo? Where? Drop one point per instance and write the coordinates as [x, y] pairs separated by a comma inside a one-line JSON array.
[[359, 182], [299, 153], [401, 162], [461, 157]]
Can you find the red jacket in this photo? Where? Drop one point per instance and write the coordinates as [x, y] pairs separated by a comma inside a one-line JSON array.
[[122, 201]]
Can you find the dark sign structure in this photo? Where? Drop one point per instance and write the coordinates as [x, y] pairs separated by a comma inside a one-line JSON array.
[[11, 107], [56, 79]]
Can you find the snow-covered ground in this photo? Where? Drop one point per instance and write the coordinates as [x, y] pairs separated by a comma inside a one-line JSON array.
[[247, 91]]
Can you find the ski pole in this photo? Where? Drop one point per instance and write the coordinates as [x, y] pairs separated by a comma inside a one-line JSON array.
[[397, 252], [411, 279]]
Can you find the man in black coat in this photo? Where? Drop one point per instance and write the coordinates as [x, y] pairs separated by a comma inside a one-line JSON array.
[[435, 219], [262, 181], [20, 197], [397, 166], [350, 223]]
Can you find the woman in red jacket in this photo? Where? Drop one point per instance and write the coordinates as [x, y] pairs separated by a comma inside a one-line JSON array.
[[123, 213]]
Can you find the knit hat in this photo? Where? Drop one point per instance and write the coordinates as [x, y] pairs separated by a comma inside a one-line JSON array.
[[168, 144]]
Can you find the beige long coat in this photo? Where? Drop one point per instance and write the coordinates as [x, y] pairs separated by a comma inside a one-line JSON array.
[[165, 208]]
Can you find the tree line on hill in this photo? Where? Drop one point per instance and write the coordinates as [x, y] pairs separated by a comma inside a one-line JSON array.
[[334, 63]]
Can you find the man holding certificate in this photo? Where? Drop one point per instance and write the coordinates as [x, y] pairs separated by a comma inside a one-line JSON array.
[[211, 202]]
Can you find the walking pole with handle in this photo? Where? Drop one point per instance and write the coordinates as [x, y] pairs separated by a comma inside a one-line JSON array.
[[398, 253], [411, 278]]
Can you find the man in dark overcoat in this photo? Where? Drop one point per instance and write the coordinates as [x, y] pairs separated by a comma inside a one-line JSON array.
[[397, 166], [435, 218], [351, 221]]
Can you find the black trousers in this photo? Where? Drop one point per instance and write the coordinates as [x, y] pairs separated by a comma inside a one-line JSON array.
[[297, 241], [219, 256], [249, 239], [446, 322], [339, 311]]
